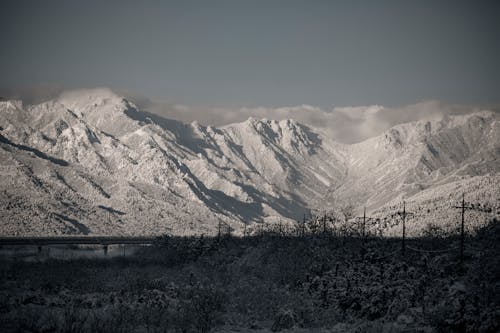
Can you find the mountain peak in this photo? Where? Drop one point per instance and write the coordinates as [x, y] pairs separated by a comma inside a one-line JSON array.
[[259, 122], [85, 100], [421, 129], [102, 108], [89, 94], [11, 104]]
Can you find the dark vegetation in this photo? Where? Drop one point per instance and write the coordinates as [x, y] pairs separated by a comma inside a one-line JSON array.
[[265, 282]]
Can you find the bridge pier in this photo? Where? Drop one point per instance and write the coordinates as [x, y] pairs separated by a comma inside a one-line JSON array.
[[105, 249], [39, 249]]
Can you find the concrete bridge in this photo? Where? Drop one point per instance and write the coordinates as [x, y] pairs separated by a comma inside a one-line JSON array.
[[105, 241], [77, 240]]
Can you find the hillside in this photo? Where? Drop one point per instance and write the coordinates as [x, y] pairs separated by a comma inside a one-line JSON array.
[[92, 162]]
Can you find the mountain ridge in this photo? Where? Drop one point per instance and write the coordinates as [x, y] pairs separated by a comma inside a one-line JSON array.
[[169, 176]]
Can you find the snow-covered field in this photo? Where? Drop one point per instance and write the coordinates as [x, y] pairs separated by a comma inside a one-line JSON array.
[[262, 284]]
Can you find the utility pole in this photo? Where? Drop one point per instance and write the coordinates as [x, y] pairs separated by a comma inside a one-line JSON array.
[[404, 226], [363, 219], [463, 207], [218, 230], [404, 214], [462, 229], [304, 225], [364, 224]]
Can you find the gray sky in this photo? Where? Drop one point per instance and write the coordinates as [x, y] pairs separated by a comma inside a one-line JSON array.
[[254, 53], [225, 57]]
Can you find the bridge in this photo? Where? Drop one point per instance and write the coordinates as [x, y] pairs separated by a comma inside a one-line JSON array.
[[77, 240], [105, 241]]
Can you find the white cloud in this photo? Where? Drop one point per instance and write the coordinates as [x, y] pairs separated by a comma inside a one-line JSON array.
[[345, 124]]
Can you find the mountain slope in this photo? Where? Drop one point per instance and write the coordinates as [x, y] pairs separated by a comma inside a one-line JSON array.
[[411, 157], [91, 162]]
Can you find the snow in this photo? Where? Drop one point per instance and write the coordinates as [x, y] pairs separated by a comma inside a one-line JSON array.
[[187, 177]]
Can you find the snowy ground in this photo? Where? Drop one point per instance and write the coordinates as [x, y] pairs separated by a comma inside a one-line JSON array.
[[315, 284]]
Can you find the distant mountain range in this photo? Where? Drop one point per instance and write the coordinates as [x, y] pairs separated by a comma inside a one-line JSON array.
[[91, 162]]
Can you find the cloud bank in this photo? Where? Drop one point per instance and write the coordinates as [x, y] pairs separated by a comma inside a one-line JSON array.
[[344, 124]]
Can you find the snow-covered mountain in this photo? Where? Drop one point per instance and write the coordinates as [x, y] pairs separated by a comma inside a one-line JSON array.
[[91, 162]]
